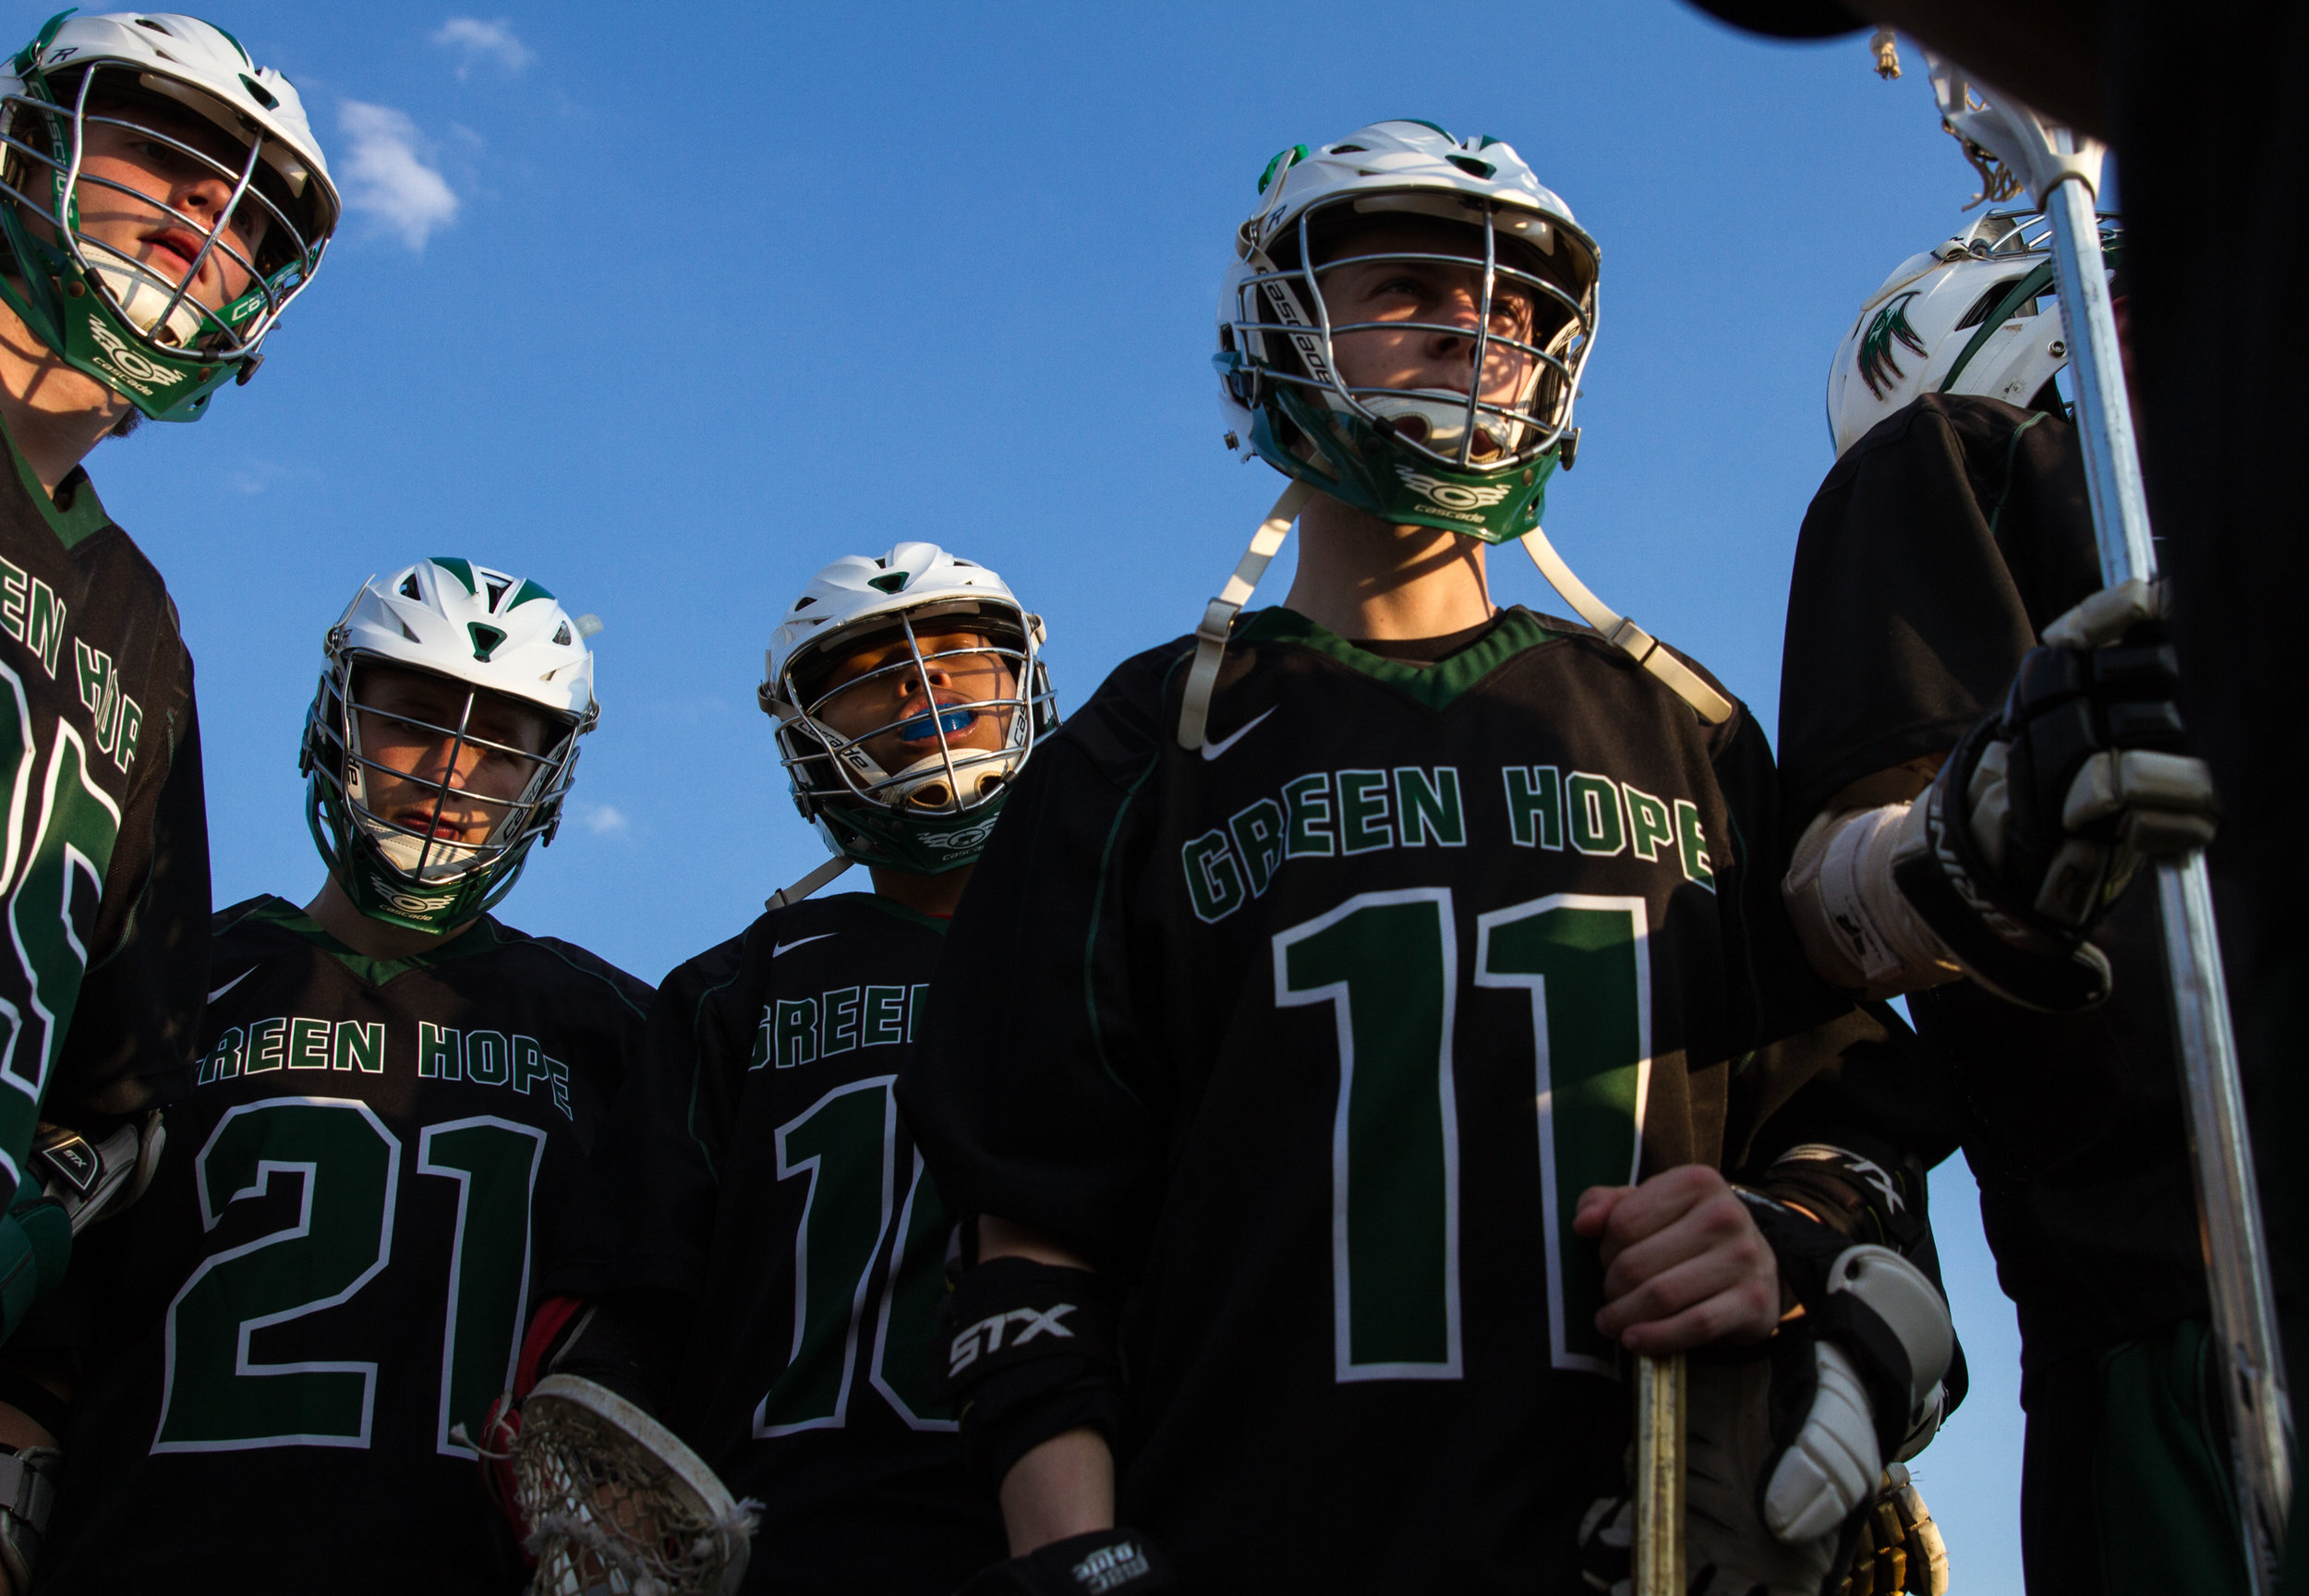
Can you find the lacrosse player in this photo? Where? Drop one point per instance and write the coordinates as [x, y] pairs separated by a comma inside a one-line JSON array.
[[283, 1347], [1350, 1024], [161, 201], [767, 1260], [1948, 538]]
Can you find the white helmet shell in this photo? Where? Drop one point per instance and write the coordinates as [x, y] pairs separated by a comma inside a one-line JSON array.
[[495, 630], [857, 588], [1977, 315]]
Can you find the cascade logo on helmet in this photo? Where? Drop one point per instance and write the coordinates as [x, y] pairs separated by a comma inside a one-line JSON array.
[[433, 766], [908, 692], [126, 365], [972, 837], [1451, 496], [131, 140]]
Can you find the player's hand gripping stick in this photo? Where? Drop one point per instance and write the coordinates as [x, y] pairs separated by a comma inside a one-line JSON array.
[[2062, 171]]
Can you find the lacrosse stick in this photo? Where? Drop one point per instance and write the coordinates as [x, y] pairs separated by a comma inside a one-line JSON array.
[[1658, 1540], [2062, 169], [616, 1506]]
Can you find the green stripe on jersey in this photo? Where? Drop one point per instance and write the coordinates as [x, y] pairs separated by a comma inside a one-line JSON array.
[[1437, 686]]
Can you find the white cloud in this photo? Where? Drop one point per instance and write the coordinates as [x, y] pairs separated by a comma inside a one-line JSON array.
[[478, 42], [386, 178], [601, 819]]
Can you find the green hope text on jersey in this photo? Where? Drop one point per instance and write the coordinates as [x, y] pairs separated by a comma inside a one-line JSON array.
[[1327, 813], [443, 1053]]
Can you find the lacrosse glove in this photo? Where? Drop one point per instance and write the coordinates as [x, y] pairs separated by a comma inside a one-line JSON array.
[[2045, 811]]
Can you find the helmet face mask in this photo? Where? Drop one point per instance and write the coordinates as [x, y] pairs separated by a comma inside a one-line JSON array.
[[69, 104], [1473, 457], [906, 706], [437, 752]]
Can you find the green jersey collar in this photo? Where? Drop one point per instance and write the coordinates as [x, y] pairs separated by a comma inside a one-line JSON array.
[[287, 916], [1437, 686], [75, 513]]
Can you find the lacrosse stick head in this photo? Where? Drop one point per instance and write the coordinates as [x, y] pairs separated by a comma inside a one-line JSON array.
[[617, 1506], [2015, 149]]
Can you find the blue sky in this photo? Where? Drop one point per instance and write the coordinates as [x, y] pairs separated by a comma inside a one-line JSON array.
[[665, 309]]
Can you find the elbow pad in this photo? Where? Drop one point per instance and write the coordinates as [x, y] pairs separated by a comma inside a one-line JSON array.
[[1857, 927], [1026, 1351]]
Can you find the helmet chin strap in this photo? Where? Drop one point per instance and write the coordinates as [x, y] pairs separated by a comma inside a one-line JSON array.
[[1625, 634], [1218, 619], [808, 883]]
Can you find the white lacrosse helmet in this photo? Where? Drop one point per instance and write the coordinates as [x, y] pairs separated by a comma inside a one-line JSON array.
[[933, 815], [1977, 315], [496, 633], [1408, 455], [105, 312]]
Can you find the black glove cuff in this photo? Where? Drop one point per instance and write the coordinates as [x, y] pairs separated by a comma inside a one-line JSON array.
[[2002, 942], [1117, 1562]]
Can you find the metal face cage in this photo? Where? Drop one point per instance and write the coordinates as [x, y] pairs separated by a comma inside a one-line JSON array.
[[165, 317], [1281, 307], [824, 763], [430, 876]]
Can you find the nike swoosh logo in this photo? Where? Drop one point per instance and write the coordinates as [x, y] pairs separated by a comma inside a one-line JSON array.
[[233, 983], [798, 942], [1213, 750]]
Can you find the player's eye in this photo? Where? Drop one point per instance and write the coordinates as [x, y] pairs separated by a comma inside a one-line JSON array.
[[166, 157]]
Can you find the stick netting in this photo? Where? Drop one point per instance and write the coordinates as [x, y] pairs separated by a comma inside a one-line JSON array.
[[611, 1515]]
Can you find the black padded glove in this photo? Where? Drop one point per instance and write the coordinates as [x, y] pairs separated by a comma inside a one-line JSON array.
[[2045, 811]]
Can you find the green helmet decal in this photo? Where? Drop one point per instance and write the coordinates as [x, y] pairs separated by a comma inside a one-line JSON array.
[[111, 313], [1880, 363]]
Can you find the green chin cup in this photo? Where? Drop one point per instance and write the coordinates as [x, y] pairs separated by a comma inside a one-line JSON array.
[[912, 844], [44, 285], [382, 892], [1377, 473]]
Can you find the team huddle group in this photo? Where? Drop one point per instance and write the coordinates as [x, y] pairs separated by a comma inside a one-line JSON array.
[[1236, 1140]]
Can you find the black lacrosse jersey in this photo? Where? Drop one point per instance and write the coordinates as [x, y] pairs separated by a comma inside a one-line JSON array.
[[331, 1270], [104, 852], [758, 1168], [1314, 1036], [1934, 553]]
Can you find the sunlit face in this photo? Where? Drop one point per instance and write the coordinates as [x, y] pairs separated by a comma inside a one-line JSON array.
[[400, 712], [139, 227], [957, 668], [1447, 295]]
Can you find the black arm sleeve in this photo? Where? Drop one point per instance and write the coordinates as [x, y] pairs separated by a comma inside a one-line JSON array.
[[1048, 1112], [1934, 553]]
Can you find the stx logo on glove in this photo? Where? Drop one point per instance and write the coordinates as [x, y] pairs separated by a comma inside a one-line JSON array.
[[1038, 1322]]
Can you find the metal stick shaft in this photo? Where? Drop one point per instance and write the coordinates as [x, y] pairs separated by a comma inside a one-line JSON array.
[[2228, 1207], [1659, 1544]]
